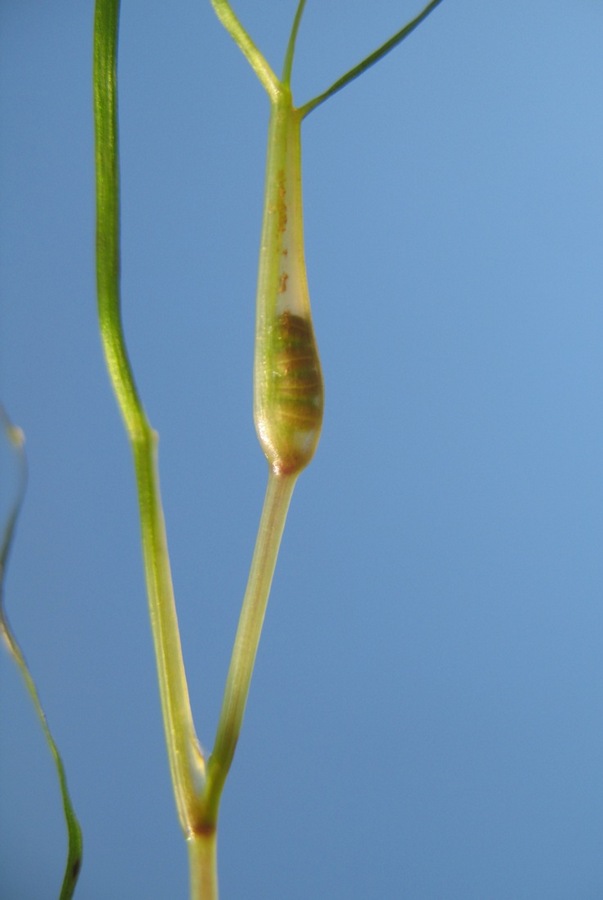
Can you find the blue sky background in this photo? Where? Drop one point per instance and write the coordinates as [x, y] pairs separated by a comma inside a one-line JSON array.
[[426, 715]]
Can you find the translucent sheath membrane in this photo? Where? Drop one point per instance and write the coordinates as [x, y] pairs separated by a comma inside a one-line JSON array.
[[288, 388]]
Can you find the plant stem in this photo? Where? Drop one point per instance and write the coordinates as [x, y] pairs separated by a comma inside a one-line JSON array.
[[370, 60], [274, 513], [288, 64], [186, 762], [202, 858], [187, 766], [287, 407], [256, 60]]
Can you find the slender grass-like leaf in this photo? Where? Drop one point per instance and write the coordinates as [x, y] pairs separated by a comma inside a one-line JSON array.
[[14, 436]]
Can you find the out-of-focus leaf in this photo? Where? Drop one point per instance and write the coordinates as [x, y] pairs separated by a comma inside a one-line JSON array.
[[16, 440]]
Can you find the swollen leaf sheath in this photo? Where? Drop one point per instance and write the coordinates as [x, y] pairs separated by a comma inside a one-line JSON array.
[[288, 388]]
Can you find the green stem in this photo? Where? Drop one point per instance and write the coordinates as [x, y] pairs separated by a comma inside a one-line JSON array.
[[288, 64], [249, 50], [187, 766], [274, 513], [370, 60], [186, 762]]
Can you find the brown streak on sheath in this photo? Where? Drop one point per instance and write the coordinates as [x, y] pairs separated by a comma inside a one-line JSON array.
[[281, 204]]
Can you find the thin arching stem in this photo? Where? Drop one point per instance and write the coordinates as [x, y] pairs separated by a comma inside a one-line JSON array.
[[286, 76], [74, 831], [247, 47], [370, 60]]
